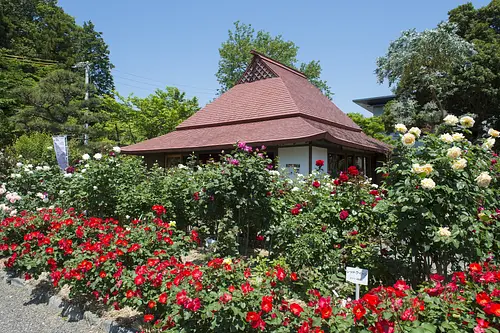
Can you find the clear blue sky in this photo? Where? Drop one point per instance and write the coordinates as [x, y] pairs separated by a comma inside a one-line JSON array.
[[176, 42]]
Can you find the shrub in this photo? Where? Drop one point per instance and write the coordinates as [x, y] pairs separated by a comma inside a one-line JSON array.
[[34, 148], [443, 198]]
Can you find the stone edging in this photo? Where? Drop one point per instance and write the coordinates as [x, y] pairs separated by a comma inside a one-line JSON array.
[[71, 311]]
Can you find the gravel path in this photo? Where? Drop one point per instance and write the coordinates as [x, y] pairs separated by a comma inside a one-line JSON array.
[[19, 313]]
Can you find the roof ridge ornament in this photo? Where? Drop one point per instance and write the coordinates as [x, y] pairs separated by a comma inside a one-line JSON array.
[[257, 70]]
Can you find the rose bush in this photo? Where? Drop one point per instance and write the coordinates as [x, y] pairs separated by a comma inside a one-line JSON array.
[[138, 265], [444, 199]]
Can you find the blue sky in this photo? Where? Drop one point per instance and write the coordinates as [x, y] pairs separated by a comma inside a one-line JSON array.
[[155, 43]]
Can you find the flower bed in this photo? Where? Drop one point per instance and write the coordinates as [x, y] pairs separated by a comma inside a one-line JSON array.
[[139, 265]]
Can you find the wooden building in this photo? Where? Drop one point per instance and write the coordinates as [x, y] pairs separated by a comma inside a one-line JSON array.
[[276, 106]]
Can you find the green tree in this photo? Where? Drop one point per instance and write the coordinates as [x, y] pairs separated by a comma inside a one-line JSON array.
[[235, 56], [451, 69], [133, 119], [55, 105], [92, 48], [371, 126]]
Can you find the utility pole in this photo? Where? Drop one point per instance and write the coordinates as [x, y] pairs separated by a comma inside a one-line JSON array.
[[86, 65]]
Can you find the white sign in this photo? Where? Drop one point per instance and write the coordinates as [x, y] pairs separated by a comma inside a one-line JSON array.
[[356, 275]]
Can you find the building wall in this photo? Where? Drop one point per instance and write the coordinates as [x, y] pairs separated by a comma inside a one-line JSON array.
[[294, 156], [378, 110], [319, 153]]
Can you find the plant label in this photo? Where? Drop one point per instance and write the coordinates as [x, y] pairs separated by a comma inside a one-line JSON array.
[[356, 275]]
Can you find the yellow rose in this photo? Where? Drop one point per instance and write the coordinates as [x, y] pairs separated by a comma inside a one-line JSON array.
[[467, 121], [489, 143], [458, 137], [484, 179], [415, 131], [454, 152], [408, 139], [427, 184], [444, 232], [227, 261], [416, 168], [493, 133], [459, 164], [173, 224], [401, 128], [427, 168], [446, 138], [450, 120]]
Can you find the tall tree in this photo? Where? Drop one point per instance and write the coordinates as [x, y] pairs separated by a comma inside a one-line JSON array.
[[54, 105], [454, 68], [92, 48], [235, 56]]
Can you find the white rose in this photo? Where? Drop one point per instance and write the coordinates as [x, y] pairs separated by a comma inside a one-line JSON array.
[[450, 120], [182, 166], [484, 179], [493, 133], [19, 164], [61, 192], [85, 157], [457, 137], [444, 232], [427, 184], [95, 188], [401, 128], [117, 149], [415, 131], [416, 168], [489, 143], [38, 168], [83, 170], [467, 121], [408, 139], [295, 189], [454, 152], [127, 216], [446, 138], [13, 213], [459, 164], [30, 166], [68, 175], [98, 156], [46, 168]]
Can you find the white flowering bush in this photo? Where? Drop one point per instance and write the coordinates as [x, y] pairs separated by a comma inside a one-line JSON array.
[[444, 197], [29, 187]]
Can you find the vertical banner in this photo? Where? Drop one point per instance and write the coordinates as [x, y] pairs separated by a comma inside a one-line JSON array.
[[61, 150]]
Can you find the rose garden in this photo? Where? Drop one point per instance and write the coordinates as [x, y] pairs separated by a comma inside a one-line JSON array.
[[234, 246]]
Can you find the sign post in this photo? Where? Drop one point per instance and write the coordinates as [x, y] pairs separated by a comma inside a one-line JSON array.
[[358, 276]]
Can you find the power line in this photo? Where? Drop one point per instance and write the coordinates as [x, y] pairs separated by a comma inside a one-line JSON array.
[[173, 84], [156, 86], [30, 58], [149, 90]]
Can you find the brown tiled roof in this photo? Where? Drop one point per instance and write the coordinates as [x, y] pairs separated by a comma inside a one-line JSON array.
[[279, 105], [274, 131]]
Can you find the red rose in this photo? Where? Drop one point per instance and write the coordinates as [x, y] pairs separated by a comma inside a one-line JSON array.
[[320, 163], [295, 211], [148, 318], [293, 276], [163, 298], [260, 238], [151, 304], [225, 298], [353, 171], [102, 274], [129, 294], [343, 177], [492, 309], [267, 303], [344, 214], [280, 273], [359, 311], [252, 316], [296, 309], [326, 312], [49, 250], [482, 298], [475, 268], [316, 184], [159, 210]]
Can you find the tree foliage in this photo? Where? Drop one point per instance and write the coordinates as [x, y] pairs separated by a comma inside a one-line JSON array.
[[235, 56], [371, 126], [132, 118], [37, 39], [451, 69]]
